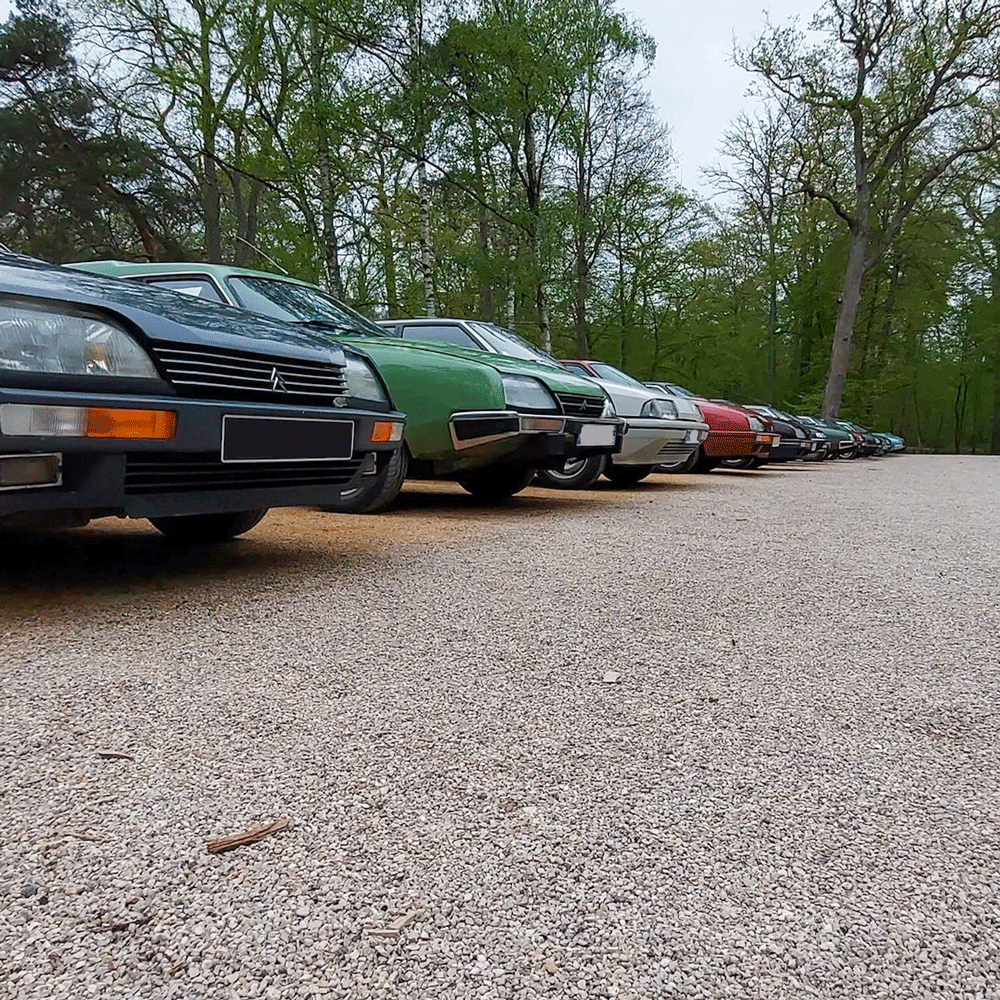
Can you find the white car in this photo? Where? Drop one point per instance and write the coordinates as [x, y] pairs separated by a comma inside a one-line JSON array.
[[659, 430]]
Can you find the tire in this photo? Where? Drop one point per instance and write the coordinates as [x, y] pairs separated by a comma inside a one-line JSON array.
[[496, 482], [376, 493], [741, 463], [627, 475], [207, 529], [574, 474], [686, 466], [704, 463]]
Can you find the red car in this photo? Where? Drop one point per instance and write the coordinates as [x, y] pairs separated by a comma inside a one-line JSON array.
[[732, 431]]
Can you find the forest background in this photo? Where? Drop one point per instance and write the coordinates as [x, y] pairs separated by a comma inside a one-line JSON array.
[[502, 159]]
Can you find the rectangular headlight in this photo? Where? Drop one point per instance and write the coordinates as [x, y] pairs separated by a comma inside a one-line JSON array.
[[40, 339], [522, 392]]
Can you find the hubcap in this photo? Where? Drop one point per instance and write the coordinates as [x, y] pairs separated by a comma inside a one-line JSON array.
[[570, 469]]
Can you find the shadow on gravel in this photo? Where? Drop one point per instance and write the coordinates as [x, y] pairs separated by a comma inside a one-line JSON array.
[[101, 561]]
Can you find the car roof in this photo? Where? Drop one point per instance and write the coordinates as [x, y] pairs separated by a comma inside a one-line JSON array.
[[428, 320], [142, 268]]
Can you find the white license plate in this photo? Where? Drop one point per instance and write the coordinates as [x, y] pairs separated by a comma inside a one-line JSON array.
[[775, 441], [596, 436]]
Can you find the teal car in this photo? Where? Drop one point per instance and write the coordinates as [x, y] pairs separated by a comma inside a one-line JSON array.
[[487, 421]]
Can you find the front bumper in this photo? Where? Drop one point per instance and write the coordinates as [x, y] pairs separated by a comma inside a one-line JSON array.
[[536, 438], [650, 442], [185, 474], [738, 444], [789, 450]]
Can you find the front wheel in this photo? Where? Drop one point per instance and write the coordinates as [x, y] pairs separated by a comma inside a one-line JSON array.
[[207, 529], [376, 493], [705, 463], [627, 475], [686, 465], [741, 463], [573, 474], [496, 483]]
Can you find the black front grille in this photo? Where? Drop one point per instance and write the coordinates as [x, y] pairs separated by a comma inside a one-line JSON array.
[[179, 473], [574, 405], [219, 373], [675, 448]]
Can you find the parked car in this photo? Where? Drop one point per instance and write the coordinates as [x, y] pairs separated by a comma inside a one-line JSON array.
[[843, 443], [793, 442], [732, 432], [870, 443], [120, 400], [658, 429], [642, 444], [487, 420], [895, 442]]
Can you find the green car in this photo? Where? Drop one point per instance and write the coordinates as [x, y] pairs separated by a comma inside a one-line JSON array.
[[486, 420]]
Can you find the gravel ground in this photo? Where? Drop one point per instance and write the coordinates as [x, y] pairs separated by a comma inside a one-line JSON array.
[[791, 792]]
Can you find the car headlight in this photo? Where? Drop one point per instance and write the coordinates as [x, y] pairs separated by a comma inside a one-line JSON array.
[[522, 392], [362, 382], [755, 424], [36, 339], [609, 409], [661, 409]]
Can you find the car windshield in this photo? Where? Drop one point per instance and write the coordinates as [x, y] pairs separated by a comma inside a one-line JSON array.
[[509, 343], [612, 374], [678, 390], [291, 302]]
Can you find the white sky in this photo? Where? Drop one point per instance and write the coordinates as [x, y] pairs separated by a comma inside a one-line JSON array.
[[694, 83]]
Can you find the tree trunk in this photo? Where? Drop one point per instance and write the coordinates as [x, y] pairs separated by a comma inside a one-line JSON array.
[[995, 429], [772, 342], [847, 311], [423, 192], [483, 271], [542, 303], [211, 199], [430, 306], [582, 264]]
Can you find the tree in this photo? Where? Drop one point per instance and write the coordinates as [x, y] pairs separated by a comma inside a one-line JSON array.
[[72, 180], [903, 80]]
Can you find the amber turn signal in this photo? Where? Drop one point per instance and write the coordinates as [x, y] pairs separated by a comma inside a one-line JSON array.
[[144, 425], [385, 431]]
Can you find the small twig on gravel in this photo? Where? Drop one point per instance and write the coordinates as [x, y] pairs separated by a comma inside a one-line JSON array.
[[81, 836], [395, 928], [124, 925], [114, 755], [249, 837]]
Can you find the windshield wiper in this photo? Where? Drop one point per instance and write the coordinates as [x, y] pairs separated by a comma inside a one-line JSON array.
[[322, 323]]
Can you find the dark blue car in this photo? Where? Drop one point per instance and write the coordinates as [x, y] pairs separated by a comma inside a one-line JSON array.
[[121, 400]]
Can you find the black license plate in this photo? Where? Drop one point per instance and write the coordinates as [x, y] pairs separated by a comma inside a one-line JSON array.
[[285, 439]]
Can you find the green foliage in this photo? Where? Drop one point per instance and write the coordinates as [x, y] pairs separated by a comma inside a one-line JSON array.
[[501, 158]]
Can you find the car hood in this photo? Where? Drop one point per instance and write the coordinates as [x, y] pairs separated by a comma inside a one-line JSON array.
[[720, 417], [164, 315], [554, 376], [629, 401]]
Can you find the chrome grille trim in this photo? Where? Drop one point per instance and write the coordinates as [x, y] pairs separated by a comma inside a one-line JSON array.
[[215, 372], [578, 405]]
